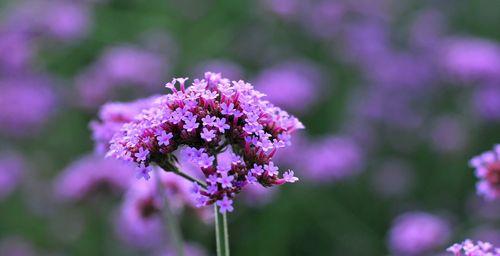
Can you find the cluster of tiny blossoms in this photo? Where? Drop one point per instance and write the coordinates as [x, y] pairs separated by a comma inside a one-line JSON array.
[[205, 119], [487, 167], [469, 248]]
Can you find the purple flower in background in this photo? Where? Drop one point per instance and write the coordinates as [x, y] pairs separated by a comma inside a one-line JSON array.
[[59, 19], [139, 222], [12, 167], [416, 233], [26, 103], [16, 51], [470, 248], [120, 67], [16, 246], [230, 69], [241, 103], [130, 64], [487, 170], [324, 18], [111, 118], [295, 85], [66, 20], [140, 219], [331, 159], [471, 59], [284, 8], [92, 174], [486, 102]]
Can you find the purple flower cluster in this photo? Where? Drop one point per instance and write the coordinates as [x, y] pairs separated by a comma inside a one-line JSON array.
[[487, 170], [92, 174], [205, 119], [120, 67], [471, 248], [415, 233]]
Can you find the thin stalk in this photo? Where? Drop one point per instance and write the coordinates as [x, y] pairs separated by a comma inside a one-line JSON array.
[[226, 233], [221, 233], [168, 167], [172, 222], [218, 235]]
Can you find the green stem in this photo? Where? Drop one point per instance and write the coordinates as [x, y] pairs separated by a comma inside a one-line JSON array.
[[172, 223], [168, 167], [226, 233], [217, 231], [221, 233]]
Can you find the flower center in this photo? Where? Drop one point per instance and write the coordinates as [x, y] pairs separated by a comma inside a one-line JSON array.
[[493, 175]]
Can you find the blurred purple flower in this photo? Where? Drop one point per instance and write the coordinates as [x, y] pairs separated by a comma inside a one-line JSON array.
[[26, 103], [227, 68], [16, 51], [15, 246], [486, 100], [93, 174], [471, 59], [416, 233], [12, 167], [111, 118], [120, 67], [139, 223], [325, 18], [60, 19], [487, 170], [295, 85], [284, 8], [67, 20], [140, 219], [331, 159]]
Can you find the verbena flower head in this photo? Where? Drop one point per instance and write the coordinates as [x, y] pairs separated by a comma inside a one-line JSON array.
[[205, 119], [487, 167], [471, 248], [416, 233]]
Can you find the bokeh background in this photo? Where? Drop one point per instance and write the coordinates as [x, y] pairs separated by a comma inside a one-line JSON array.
[[396, 96]]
